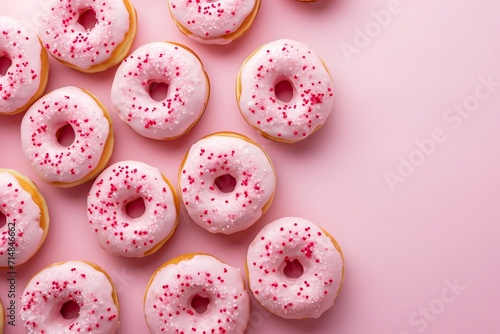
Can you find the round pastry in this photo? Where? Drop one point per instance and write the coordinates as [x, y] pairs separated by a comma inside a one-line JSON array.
[[292, 63], [214, 22], [295, 269], [2, 317], [165, 63], [95, 48], [25, 79], [26, 219], [226, 182], [114, 189], [73, 296], [196, 293], [91, 149]]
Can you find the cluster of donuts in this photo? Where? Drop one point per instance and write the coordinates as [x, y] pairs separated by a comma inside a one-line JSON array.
[[226, 181]]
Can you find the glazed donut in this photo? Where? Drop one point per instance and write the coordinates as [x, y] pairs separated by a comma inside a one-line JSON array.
[[248, 172], [26, 219], [88, 50], [78, 284], [26, 78], [188, 89], [295, 242], [214, 22], [2, 317], [91, 149], [123, 183], [173, 290], [284, 61]]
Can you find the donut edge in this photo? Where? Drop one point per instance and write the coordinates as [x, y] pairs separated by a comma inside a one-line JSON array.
[[29, 186]]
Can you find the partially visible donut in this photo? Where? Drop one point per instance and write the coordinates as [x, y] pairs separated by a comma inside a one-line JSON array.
[[26, 77], [214, 22], [77, 284], [295, 269], [312, 101], [226, 157], [27, 219], [117, 186], [90, 151], [88, 50], [170, 302], [2, 317], [166, 63]]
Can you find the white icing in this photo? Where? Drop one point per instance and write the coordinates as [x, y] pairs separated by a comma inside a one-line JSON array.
[[210, 21], [119, 184], [52, 161], [167, 305], [67, 40], [76, 281], [22, 231], [294, 298], [218, 155], [20, 44], [312, 99], [166, 63]]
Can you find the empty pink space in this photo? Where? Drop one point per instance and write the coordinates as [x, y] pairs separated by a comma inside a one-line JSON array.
[[404, 174]]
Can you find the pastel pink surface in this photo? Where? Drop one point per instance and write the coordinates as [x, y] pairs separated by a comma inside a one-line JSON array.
[[422, 252]]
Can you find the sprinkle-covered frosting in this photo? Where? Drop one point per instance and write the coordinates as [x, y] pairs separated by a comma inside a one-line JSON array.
[[20, 44], [168, 302], [120, 184], [52, 161], [67, 40], [290, 239], [188, 90], [221, 155], [312, 101], [22, 235], [71, 281], [210, 21]]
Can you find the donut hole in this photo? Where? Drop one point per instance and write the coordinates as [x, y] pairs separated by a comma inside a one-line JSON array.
[[70, 310], [65, 135], [88, 19], [5, 64], [284, 90], [158, 91], [135, 208], [226, 183], [3, 219], [293, 268], [200, 304]]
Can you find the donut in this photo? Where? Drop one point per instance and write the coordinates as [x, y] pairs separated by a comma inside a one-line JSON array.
[[79, 286], [2, 317], [92, 49], [26, 77], [178, 290], [117, 186], [293, 63], [89, 152], [226, 182], [26, 219], [214, 22], [166, 63], [295, 269]]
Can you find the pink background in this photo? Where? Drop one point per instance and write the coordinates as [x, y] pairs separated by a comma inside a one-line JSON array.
[[404, 245]]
